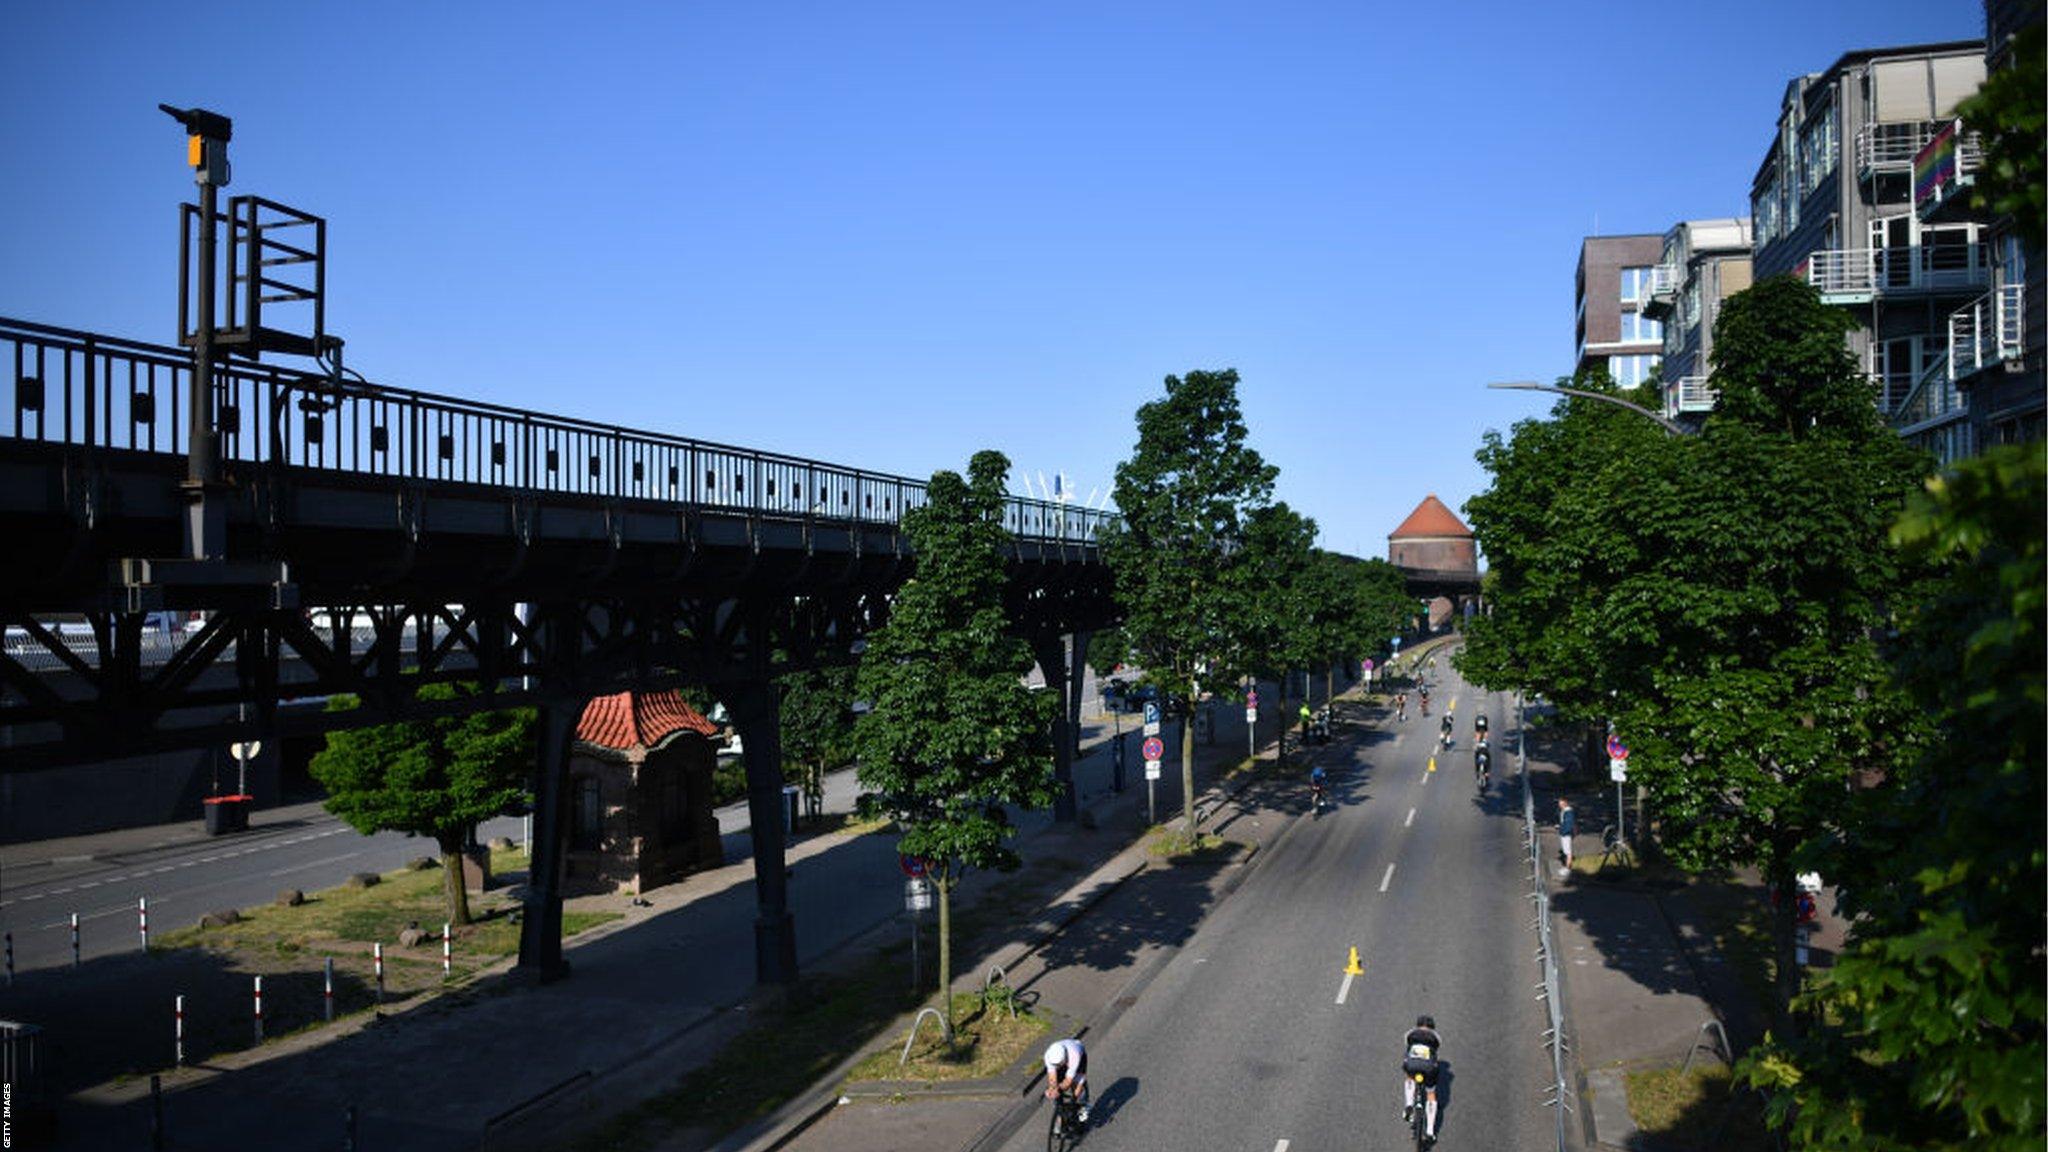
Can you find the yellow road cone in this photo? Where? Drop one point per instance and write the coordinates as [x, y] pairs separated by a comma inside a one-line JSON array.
[[1432, 763], [1354, 968]]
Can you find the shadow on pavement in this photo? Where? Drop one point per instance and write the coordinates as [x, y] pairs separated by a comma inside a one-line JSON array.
[[1112, 1100]]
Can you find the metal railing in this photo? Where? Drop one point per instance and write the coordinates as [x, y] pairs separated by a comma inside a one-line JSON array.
[[1881, 147], [1872, 272], [1549, 990], [1665, 279], [104, 393], [1693, 394], [1988, 330]]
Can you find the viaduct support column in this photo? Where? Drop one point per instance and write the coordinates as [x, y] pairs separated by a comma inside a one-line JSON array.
[[756, 707], [1063, 676], [540, 923]]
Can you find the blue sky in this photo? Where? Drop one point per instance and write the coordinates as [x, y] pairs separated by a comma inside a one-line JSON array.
[[889, 235]]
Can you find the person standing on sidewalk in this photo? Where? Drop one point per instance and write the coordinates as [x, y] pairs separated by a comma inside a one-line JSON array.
[[1567, 827]]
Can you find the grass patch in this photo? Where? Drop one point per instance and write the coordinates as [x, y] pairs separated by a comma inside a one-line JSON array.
[[1701, 1111], [986, 1040], [1170, 843]]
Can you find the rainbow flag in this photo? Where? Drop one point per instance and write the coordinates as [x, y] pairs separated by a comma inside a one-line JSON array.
[[1934, 166]]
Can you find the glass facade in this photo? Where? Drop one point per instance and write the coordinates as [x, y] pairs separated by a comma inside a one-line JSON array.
[[1631, 371], [1635, 285], [1637, 328]]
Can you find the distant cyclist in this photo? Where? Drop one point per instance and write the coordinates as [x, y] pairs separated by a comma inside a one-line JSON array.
[[1450, 726], [1401, 705], [1479, 725], [1066, 1070], [1317, 780], [1482, 761], [1419, 1065]]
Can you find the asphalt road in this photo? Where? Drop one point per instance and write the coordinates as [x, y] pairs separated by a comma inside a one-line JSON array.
[[1252, 1037]]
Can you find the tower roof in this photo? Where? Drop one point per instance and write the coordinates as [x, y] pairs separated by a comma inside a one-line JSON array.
[[1430, 518], [638, 720]]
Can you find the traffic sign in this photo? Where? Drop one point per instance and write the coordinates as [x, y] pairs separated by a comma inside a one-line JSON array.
[[1154, 748], [1151, 717], [1368, 665], [245, 751], [1251, 698], [1617, 770], [1396, 642], [913, 866], [1151, 769], [917, 895], [1616, 750], [1251, 714]]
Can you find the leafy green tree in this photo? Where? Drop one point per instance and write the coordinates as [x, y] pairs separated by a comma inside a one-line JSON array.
[[1186, 573], [2008, 112], [953, 734], [436, 778], [817, 727], [1380, 603], [1930, 1023]]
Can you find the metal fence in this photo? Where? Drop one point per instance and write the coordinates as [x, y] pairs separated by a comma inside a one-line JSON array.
[[95, 392], [1560, 1092]]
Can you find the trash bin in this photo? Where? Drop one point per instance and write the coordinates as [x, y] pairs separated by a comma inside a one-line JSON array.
[[225, 814], [789, 795]]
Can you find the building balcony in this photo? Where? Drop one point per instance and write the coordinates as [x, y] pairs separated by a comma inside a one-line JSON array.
[[1689, 394], [1944, 168], [1882, 148], [1660, 294], [1989, 330], [1861, 275], [1933, 400]]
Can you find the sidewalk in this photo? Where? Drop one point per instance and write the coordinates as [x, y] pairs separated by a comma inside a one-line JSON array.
[[651, 996]]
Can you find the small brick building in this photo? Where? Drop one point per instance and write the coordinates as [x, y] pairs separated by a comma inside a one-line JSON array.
[[1438, 554], [640, 812]]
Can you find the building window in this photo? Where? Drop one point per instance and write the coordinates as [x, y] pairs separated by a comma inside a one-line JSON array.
[[1817, 149], [1635, 284], [1765, 209], [1637, 328], [586, 832], [1632, 371]]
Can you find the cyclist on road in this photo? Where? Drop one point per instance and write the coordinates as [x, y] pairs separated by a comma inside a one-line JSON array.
[[1316, 780], [1482, 761], [1449, 728], [1401, 705], [1419, 1064], [1479, 725], [1066, 1069], [1423, 694]]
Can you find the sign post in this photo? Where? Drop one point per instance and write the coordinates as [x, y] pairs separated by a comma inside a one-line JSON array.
[[1365, 668], [1617, 767], [917, 896], [1155, 750], [1251, 722]]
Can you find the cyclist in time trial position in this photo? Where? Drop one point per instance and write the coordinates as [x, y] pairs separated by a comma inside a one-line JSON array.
[[1419, 1061], [1401, 705], [1482, 760], [1066, 1067], [1449, 728], [1316, 780], [1422, 694], [1479, 725]]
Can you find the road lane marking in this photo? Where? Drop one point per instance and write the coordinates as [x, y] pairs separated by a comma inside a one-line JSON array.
[[1410, 819], [1343, 990], [315, 863], [1387, 879], [1280, 1147]]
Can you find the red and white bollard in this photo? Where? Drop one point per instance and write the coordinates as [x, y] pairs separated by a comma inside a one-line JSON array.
[[181, 1031], [142, 919], [259, 1009], [327, 991], [74, 939], [10, 959], [447, 951], [377, 951]]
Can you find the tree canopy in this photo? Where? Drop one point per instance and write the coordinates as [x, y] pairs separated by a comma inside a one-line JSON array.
[[953, 734], [1187, 573], [437, 778], [2010, 112]]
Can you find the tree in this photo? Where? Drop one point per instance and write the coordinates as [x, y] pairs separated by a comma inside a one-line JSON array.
[[817, 727], [1186, 576], [1930, 1024], [438, 777], [953, 734], [2010, 112]]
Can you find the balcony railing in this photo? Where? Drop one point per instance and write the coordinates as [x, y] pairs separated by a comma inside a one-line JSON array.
[[1660, 293], [1692, 394], [1990, 329], [1859, 275], [1891, 147], [1944, 167], [1934, 397]]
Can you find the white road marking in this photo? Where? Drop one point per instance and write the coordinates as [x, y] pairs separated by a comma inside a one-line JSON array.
[[1410, 819], [1387, 879], [316, 863], [1280, 1147], [1342, 991]]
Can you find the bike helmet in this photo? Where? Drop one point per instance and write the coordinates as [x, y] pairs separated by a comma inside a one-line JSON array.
[[1056, 1053], [1428, 1022]]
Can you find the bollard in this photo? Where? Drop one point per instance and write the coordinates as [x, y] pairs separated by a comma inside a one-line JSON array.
[[180, 1010], [156, 1111], [327, 991], [74, 939], [377, 950], [447, 952], [142, 918], [259, 1010], [10, 959]]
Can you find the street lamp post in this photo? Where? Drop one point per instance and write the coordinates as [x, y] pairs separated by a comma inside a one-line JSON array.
[[1664, 422]]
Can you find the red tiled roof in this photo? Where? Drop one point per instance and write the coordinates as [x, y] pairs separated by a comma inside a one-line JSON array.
[[638, 720], [1430, 518]]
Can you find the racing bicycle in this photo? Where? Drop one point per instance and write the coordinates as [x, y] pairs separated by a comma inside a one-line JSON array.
[[1065, 1130]]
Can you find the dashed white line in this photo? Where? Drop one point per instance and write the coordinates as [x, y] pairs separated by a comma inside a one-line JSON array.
[[1387, 879], [315, 863], [1410, 819], [1342, 991], [1280, 1147]]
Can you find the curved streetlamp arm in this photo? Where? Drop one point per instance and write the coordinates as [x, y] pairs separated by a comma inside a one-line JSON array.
[[1669, 425]]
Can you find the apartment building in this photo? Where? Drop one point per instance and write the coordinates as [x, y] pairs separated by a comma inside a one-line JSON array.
[[1613, 284], [1833, 203], [1989, 358], [1702, 263]]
